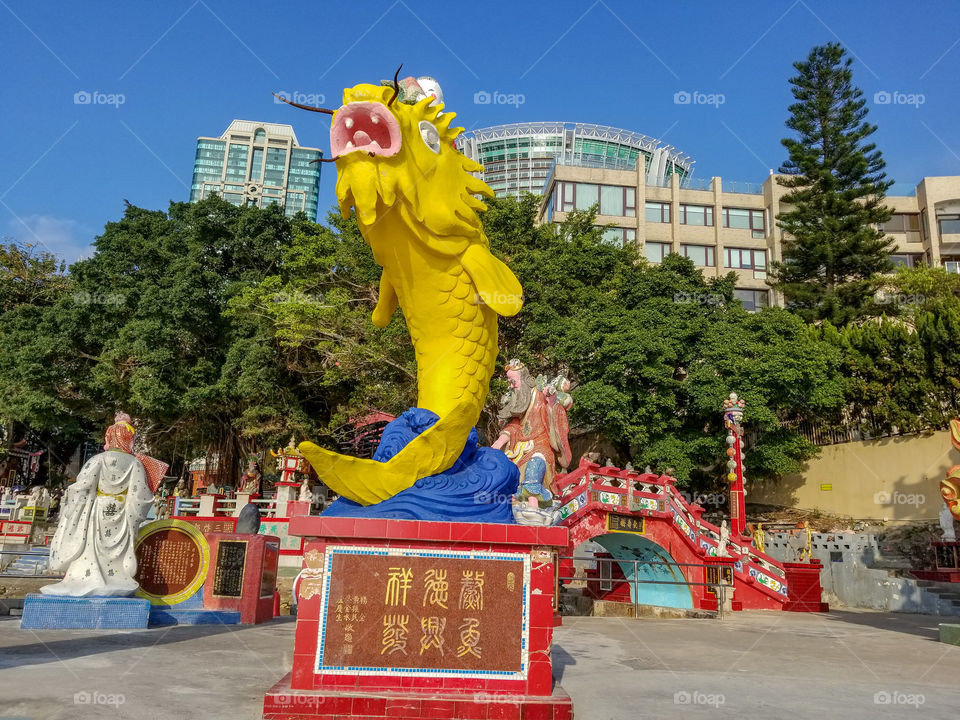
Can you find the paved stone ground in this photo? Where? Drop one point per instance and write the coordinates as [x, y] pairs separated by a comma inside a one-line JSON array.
[[840, 665]]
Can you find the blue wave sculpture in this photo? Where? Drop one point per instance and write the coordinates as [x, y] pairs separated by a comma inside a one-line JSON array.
[[477, 488]]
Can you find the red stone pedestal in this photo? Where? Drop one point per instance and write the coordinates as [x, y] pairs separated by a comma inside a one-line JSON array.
[[400, 618], [803, 587], [242, 575]]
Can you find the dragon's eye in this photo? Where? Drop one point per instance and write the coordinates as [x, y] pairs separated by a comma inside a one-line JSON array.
[[430, 135]]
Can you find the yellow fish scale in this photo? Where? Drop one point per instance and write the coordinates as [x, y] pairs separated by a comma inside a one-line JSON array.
[[455, 344]]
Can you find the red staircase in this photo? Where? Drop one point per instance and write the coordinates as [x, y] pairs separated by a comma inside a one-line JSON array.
[[599, 500]]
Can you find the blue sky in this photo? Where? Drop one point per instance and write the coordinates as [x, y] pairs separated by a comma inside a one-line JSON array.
[[186, 68]]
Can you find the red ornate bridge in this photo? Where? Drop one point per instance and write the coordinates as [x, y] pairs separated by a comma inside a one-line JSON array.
[[667, 553]]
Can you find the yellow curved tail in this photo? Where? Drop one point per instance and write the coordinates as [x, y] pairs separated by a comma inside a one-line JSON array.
[[367, 481]]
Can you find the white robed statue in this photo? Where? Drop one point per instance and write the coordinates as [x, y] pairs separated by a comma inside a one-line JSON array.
[[100, 516]]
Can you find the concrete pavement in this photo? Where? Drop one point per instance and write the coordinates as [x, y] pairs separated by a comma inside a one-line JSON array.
[[844, 664]]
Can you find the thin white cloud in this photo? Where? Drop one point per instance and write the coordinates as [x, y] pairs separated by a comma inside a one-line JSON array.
[[63, 237]]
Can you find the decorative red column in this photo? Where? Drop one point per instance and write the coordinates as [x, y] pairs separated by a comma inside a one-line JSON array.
[[733, 408]]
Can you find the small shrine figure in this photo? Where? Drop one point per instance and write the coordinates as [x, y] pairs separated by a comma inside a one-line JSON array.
[[101, 515], [250, 480], [535, 434], [306, 492], [181, 489], [724, 540]]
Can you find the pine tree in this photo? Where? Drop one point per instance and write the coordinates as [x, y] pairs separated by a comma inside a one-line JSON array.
[[833, 253]]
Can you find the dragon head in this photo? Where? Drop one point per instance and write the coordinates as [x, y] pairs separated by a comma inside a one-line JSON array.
[[390, 153]]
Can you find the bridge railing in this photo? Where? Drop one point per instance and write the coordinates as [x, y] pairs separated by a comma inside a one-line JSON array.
[[717, 579], [634, 491]]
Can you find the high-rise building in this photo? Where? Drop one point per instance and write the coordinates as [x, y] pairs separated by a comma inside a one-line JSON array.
[[258, 163], [519, 157]]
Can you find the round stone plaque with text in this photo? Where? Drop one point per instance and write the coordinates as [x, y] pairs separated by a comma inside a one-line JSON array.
[[172, 561]]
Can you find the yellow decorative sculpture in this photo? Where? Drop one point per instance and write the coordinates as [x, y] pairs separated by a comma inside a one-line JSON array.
[[414, 199], [950, 485]]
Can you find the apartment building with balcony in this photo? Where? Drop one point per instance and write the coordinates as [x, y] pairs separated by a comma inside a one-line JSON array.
[[725, 226]]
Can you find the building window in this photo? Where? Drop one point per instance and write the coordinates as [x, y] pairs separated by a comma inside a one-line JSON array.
[[702, 255], [657, 212], [905, 223], [611, 200], [752, 300], [260, 136], [745, 219], [586, 195], [745, 259], [908, 260], [619, 236], [949, 224], [237, 162], [615, 200], [696, 214], [902, 222], [656, 252], [568, 191], [256, 164]]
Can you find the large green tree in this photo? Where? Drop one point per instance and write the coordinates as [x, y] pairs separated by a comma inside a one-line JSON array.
[[654, 349], [145, 328], [317, 305], [833, 252], [902, 373], [31, 283]]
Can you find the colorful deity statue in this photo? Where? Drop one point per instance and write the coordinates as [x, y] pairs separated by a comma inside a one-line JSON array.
[[950, 485], [101, 516], [535, 434], [250, 480]]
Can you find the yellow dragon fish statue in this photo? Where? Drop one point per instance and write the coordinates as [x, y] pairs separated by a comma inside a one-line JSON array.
[[414, 198]]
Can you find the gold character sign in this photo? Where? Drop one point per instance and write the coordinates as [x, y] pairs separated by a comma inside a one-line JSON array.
[[412, 609]]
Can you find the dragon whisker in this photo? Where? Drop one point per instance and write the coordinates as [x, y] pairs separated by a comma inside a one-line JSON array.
[[303, 107], [396, 85]]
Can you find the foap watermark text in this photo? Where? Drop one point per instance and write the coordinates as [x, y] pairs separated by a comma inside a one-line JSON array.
[[86, 97], [485, 97], [895, 97], [695, 97]]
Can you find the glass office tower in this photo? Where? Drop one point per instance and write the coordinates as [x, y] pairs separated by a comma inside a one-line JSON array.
[[256, 163]]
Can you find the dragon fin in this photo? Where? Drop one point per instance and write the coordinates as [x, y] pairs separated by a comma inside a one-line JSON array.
[[368, 482], [497, 286], [387, 304]]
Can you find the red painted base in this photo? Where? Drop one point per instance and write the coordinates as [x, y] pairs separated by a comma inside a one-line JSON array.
[[284, 703], [526, 693], [258, 581], [803, 587]]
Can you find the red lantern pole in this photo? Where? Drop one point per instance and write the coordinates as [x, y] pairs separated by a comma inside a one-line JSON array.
[[733, 408]]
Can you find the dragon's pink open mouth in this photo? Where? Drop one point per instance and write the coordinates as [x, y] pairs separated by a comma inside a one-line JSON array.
[[365, 126]]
